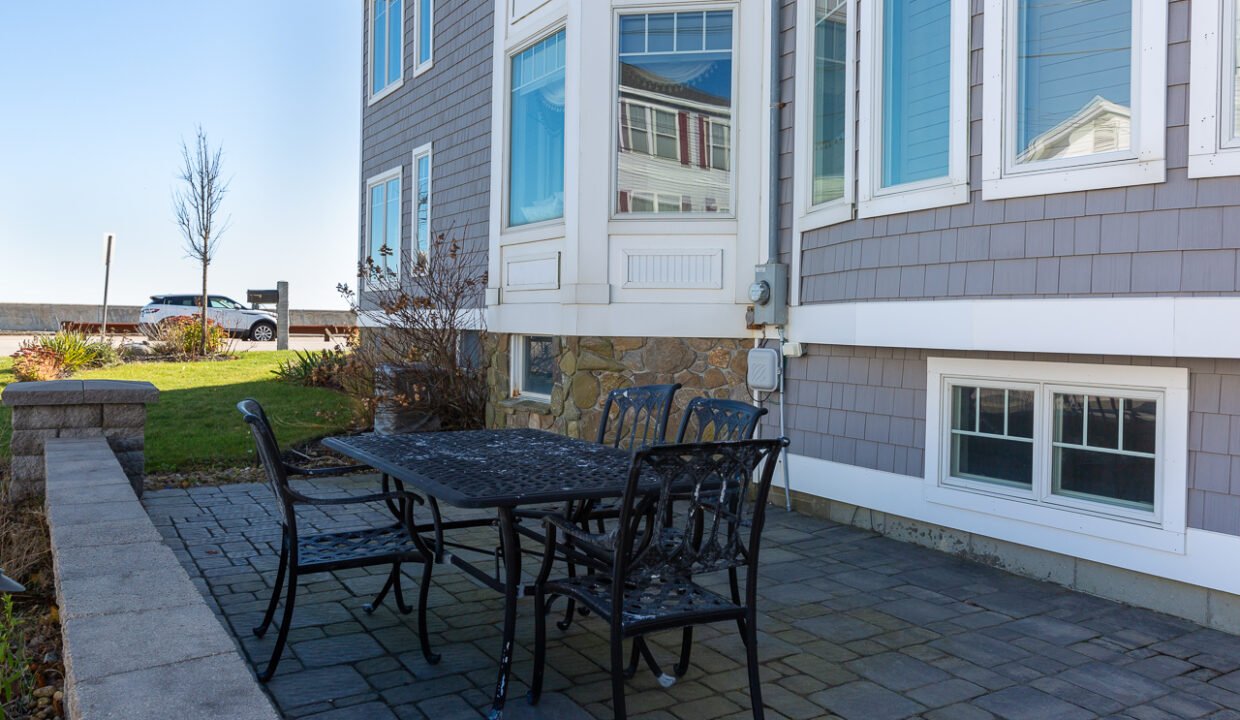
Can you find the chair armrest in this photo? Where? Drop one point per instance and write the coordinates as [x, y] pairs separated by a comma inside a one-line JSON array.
[[603, 543], [319, 472]]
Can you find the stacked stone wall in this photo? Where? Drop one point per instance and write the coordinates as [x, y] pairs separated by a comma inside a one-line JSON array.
[[591, 367]]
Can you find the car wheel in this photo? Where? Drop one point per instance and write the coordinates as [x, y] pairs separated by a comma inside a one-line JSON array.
[[263, 332]]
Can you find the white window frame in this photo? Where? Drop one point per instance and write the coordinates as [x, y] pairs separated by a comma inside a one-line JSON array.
[[951, 189], [812, 216], [420, 66], [620, 9], [1145, 160], [1163, 528], [422, 151], [396, 173], [1212, 152], [517, 363], [372, 96]]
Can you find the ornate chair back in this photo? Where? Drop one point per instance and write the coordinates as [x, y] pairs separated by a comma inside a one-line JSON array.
[[269, 456], [720, 525], [640, 416], [714, 420]]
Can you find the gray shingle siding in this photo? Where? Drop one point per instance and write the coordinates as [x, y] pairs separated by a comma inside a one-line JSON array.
[[449, 105], [866, 406], [1173, 238]]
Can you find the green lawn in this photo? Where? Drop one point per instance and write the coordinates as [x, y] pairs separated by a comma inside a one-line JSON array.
[[196, 424]]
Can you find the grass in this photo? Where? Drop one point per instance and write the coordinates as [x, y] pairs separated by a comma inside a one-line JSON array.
[[196, 425]]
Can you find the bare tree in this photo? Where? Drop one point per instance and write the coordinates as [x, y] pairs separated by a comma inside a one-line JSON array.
[[196, 202]]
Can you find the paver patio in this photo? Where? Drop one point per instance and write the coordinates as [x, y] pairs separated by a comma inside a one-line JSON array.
[[853, 625]]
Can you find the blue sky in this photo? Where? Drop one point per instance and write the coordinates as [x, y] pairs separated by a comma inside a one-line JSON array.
[[95, 98]]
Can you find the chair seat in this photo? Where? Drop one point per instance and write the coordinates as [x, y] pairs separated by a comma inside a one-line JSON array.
[[649, 604], [351, 548]]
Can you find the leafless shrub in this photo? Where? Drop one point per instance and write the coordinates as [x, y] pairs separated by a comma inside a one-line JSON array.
[[412, 358]]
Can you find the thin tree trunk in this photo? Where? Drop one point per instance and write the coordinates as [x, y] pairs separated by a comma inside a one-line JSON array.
[[202, 342]]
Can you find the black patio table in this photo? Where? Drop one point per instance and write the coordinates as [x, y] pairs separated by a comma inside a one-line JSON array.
[[499, 469]]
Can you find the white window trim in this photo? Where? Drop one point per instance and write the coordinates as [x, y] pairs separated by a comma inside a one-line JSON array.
[[374, 97], [1209, 155], [1143, 163], [621, 8], [516, 355], [810, 216], [1164, 530], [952, 189], [399, 254], [421, 67], [422, 151]]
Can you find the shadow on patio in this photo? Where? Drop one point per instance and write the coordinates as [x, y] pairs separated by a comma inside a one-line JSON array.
[[853, 625]]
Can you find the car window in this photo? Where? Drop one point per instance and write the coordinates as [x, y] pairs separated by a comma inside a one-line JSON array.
[[217, 302]]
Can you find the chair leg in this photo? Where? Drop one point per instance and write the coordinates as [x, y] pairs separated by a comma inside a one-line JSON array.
[[751, 661], [275, 591], [424, 632], [540, 646], [736, 600], [285, 622], [399, 594], [686, 647], [387, 585], [617, 674], [570, 604]]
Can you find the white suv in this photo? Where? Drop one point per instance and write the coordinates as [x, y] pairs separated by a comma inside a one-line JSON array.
[[229, 314]]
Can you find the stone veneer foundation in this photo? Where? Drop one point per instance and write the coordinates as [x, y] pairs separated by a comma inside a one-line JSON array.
[[591, 367]]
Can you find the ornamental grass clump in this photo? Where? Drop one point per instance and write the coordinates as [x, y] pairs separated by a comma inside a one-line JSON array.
[[48, 357], [182, 336]]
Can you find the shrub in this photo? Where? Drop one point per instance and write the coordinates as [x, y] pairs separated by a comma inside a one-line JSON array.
[[316, 369], [182, 335], [48, 357]]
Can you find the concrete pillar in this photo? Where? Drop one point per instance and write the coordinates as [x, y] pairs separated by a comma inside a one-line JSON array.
[[111, 409], [282, 316]]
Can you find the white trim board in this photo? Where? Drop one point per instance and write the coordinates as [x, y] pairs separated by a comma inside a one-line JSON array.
[[1204, 552], [1152, 327]]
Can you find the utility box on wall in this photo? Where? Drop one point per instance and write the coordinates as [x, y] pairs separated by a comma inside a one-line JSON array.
[[769, 294]]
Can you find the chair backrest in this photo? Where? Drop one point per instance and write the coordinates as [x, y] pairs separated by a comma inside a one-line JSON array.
[[268, 453], [641, 416], [715, 420], [694, 508]]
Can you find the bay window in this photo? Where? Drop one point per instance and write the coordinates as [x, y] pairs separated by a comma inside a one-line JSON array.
[[536, 133], [383, 236], [387, 51], [675, 113], [913, 103], [1214, 89], [1074, 95], [1053, 443]]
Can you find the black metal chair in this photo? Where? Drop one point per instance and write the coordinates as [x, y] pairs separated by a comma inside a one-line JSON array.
[[641, 415], [656, 551], [715, 420], [392, 544]]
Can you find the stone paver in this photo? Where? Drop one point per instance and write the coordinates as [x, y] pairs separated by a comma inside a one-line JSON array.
[[853, 625]]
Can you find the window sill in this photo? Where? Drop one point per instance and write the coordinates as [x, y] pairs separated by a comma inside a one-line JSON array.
[[1090, 177], [527, 404], [385, 92]]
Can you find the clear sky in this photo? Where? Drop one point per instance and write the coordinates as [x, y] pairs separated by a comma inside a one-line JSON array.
[[95, 98]]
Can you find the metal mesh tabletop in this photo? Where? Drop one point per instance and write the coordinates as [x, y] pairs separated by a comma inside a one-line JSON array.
[[493, 468]]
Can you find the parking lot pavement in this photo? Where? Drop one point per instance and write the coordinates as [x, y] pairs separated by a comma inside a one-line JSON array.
[[10, 343]]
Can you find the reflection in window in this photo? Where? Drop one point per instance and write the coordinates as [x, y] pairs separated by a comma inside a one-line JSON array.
[[384, 242], [538, 359], [386, 46], [992, 435], [830, 102], [1104, 449], [675, 113], [916, 93], [536, 151], [1074, 78], [422, 208]]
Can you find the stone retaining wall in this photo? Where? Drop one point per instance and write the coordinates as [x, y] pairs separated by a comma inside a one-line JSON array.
[[76, 409], [38, 317], [140, 642], [591, 367]]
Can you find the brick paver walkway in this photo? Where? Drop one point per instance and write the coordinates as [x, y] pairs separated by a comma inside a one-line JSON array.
[[853, 625]]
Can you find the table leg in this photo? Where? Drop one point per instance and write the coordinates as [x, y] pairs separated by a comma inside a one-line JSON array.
[[511, 545]]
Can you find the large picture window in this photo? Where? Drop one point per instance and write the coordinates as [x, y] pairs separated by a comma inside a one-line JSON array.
[[1078, 97], [536, 133], [387, 50], [383, 241], [675, 113]]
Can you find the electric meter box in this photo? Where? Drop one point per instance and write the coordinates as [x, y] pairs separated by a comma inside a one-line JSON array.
[[764, 369], [774, 311]]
